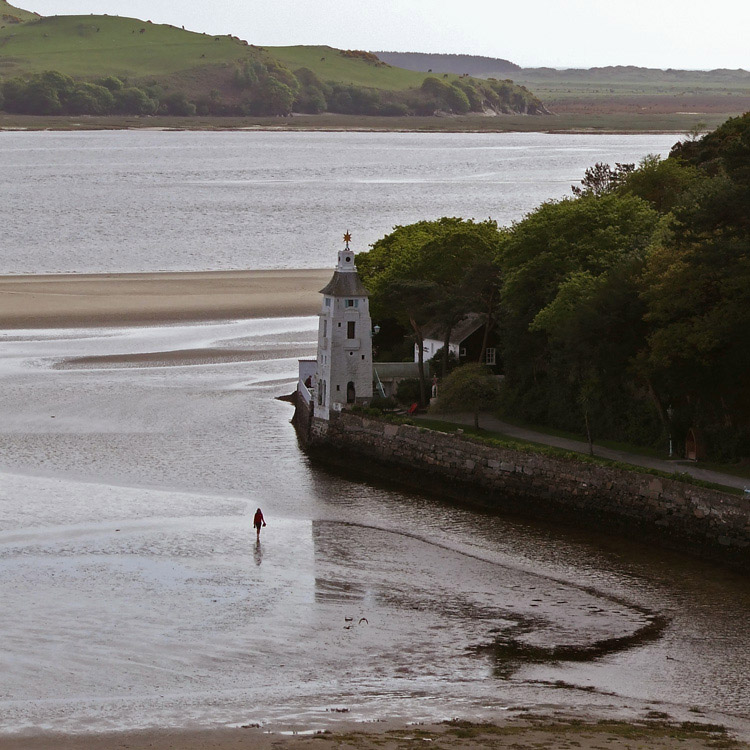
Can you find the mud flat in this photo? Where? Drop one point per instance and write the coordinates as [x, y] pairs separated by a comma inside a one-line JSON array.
[[64, 300], [536, 734]]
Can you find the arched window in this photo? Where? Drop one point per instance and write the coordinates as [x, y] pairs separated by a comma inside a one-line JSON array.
[[350, 393]]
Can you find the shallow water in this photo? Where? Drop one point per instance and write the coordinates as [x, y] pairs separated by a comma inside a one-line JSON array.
[[134, 594], [147, 201]]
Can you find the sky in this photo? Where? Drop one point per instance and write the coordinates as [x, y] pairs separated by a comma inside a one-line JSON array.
[[691, 34]]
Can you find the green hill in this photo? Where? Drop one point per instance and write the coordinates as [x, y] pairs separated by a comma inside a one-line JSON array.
[[219, 75], [11, 15]]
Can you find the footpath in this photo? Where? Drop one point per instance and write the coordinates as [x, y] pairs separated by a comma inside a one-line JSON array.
[[492, 424]]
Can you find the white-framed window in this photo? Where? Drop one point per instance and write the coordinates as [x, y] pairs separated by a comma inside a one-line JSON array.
[[351, 303], [490, 357], [462, 351]]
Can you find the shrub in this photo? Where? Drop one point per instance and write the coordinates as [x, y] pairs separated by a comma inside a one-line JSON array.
[[408, 391]]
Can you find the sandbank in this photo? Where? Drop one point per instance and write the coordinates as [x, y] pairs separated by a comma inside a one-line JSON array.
[[87, 300], [605, 735]]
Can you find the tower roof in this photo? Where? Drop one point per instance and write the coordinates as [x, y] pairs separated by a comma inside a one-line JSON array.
[[345, 281], [345, 284]]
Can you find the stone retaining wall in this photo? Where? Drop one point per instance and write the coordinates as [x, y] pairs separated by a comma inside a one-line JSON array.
[[674, 513]]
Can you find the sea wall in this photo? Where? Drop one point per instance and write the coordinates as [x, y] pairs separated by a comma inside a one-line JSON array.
[[673, 513]]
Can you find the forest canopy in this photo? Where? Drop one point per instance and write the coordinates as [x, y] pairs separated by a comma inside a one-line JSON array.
[[626, 305]]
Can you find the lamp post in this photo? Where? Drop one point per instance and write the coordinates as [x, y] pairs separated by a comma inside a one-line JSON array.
[[670, 414]]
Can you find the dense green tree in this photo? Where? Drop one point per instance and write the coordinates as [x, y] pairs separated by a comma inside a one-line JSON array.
[[134, 101], [471, 388], [90, 99], [177, 104], [438, 253], [571, 313]]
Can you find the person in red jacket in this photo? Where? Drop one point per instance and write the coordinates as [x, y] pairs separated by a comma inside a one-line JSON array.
[[258, 521]]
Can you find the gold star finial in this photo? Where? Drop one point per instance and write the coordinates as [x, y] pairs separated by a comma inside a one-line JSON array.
[[347, 239]]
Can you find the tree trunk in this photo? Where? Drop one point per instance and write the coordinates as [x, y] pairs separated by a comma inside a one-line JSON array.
[[486, 337], [446, 345], [420, 362], [588, 432], [476, 420]]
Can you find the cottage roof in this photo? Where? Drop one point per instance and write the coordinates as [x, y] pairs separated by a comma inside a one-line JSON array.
[[460, 332], [345, 285]]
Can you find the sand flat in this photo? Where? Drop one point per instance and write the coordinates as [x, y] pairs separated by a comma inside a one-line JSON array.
[[586, 735], [65, 300]]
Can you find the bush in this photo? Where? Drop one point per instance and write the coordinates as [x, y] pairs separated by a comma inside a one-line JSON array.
[[90, 99], [177, 104], [408, 391], [133, 101], [384, 404]]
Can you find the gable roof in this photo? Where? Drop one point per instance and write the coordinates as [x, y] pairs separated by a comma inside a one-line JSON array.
[[346, 284], [460, 332]]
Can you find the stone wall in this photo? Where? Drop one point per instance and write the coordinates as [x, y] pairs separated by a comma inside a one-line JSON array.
[[674, 513]]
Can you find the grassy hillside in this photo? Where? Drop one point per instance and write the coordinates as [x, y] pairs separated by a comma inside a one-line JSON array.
[[329, 65], [182, 72], [12, 15], [92, 46]]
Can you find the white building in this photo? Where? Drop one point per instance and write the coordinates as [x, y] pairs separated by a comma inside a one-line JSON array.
[[344, 362]]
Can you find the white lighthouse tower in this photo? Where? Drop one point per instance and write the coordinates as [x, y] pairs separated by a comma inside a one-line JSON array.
[[344, 362]]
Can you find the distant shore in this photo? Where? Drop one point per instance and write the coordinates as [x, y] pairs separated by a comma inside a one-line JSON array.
[[66, 300], [584, 123]]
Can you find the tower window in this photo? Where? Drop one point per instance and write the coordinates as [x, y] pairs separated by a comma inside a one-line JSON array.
[[351, 303], [328, 301], [350, 329]]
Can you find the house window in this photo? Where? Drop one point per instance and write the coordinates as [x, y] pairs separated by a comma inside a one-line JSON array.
[[351, 303], [462, 351], [350, 329], [490, 356], [325, 328], [328, 301]]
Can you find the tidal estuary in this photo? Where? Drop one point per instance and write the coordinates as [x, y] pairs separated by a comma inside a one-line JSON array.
[[132, 591]]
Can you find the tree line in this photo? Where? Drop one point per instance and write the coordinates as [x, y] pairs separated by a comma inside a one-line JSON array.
[[625, 307], [259, 88]]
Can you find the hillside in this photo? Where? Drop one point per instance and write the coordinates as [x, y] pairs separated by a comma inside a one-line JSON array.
[[11, 15], [603, 90], [218, 75]]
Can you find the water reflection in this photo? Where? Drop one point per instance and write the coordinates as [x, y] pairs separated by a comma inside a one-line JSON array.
[[258, 553]]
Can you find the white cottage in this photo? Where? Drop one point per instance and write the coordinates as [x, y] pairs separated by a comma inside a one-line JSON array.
[[344, 363]]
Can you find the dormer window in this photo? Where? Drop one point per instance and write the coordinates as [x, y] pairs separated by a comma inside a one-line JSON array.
[[351, 303]]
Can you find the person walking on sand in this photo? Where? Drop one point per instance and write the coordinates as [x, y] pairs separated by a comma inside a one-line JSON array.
[[258, 521]]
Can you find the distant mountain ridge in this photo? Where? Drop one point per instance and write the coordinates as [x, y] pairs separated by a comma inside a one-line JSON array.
[[473, 65]]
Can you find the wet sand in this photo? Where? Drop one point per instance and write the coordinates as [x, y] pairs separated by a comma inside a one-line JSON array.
[[518, 736], [67, 300]]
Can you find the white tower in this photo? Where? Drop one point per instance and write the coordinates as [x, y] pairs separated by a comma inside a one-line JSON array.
[[344, 369]]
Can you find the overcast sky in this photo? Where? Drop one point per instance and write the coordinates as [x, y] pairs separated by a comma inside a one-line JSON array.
[[559, 33]]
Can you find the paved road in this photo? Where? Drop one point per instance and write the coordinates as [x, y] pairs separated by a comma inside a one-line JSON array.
[[490, 423]]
